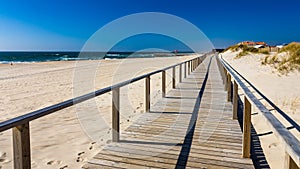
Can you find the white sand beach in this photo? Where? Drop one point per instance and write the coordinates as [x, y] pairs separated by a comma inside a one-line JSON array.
[[283, 90], [65, 139]]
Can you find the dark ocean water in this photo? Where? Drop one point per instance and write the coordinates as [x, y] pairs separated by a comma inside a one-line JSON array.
[[8, 57]]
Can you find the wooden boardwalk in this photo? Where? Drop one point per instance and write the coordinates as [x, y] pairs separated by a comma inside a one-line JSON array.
[[191, 127]]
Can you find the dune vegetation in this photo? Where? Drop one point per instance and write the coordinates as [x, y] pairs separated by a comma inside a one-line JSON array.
[[245, 50], [286, 60]]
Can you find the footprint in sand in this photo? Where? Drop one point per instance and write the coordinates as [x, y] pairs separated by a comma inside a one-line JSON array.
[[92, 146], [66, 166], [273, 145], [81, 153], [79, 159], [54, 162], [2, 156]]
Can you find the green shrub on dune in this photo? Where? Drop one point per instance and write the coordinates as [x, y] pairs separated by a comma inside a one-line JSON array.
[[244, 50], [293, 53], [288, 59]]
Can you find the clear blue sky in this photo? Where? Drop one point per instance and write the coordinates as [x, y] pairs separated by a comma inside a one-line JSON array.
[[67, 24]]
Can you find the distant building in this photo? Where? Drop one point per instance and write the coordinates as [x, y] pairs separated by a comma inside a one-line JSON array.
[[254, 44], [261, 43], [248, 43]]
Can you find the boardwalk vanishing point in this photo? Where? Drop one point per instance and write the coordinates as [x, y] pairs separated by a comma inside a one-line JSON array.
[[191, 127]]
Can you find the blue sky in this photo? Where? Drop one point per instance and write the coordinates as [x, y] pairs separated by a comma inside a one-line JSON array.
[[68, 24]]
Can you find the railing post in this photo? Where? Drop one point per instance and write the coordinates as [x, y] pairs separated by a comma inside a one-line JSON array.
[[180, 73], [185, 69], [289, 162], [225, 79], [229, 96], [235, 100], [147, 94], [189, 67], [193, 64], [163, 86], [173, 78], [116, 115], [21, 146], [246, 128]]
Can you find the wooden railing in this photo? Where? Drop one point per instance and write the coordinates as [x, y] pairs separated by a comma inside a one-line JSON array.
[[20, 125], [289, 141]]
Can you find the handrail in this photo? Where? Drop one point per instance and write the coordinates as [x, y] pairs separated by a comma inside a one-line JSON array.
[[291, 143], [290, 120], [20, 124]]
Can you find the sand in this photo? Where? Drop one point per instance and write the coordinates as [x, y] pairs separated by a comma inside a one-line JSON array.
[[283, 90], [67, 138]]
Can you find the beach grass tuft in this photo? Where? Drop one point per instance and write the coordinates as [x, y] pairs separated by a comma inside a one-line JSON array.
[[288, 59], [245, 50]]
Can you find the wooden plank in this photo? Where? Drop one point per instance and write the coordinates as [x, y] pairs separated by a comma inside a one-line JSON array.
[[246, 129], [21, 146], [116, 115]]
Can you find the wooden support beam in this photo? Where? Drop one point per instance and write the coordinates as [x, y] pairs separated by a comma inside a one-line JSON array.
[[225, 80], [173, 78], [21, 146], [116, 115], [189, 67], [163, 81], [229, 88], [180, 73], [235, 100], [147, 94], [289, 162], [185, 71], [246, 129]]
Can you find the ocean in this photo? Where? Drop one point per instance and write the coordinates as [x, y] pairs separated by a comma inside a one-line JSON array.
[[18, 57]]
